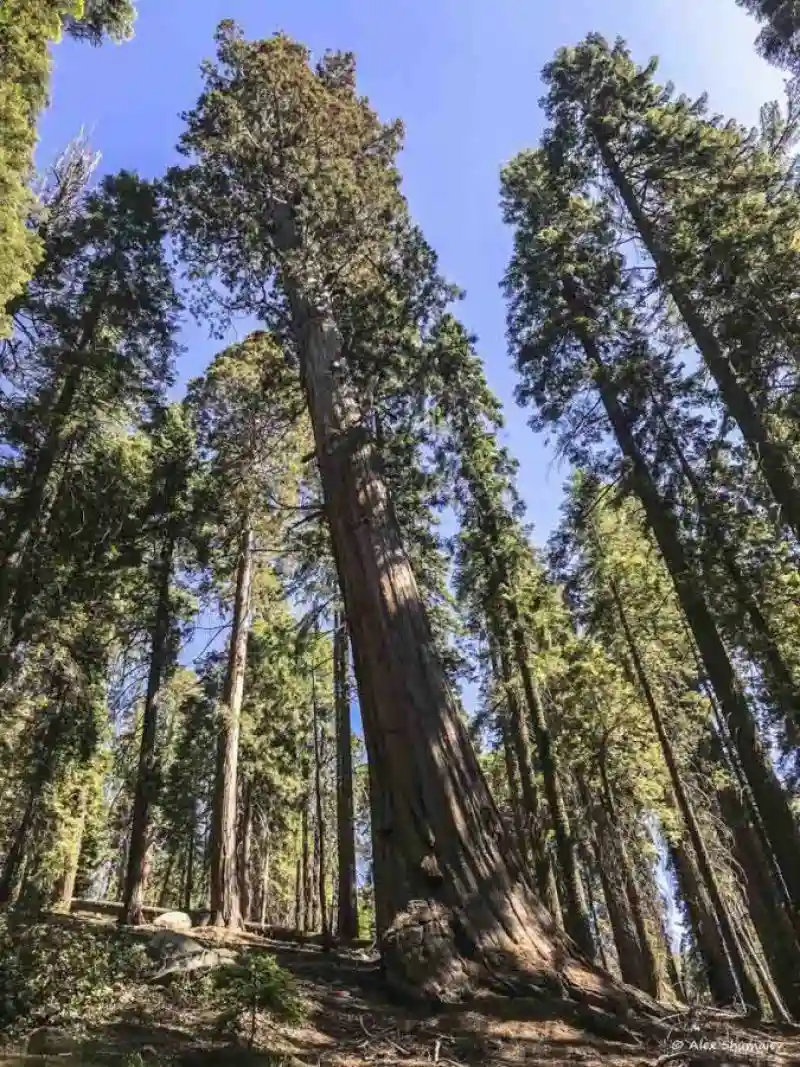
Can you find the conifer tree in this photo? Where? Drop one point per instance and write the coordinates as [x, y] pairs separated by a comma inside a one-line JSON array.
[[247, 418], [167, 513], [778, 40], [311, 188], [573, 330], [715, 207], [96, 332], [27, 28]]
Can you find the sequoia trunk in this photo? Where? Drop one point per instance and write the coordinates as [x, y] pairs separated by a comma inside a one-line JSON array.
[[479, 914]]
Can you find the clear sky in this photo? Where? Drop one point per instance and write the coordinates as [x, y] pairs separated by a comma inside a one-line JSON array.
[[464, 77]]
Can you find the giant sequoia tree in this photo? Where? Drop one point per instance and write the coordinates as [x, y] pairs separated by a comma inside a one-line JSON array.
[[291, 180]]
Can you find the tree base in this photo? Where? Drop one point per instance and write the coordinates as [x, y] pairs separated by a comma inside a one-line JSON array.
[[429, 954]]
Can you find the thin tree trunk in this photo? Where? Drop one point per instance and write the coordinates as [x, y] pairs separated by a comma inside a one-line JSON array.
[[190, 847], [265, 873], [308, 876], [299, 918], [574, 911], [773, 927], [145, 793], [319, 822], [781, 684], [40, 774], [598, 937], [651, 973], [224, 885], [733, 949], [534, 843], [33, 498], [443, 820], [770, 455], [163, 896], [65, 887], [17, 854], [629, 953], [767, 790], [705, 929], [347, 902], [245, 850]]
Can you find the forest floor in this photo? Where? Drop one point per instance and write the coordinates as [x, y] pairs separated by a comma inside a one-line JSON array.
[[351, 1022]]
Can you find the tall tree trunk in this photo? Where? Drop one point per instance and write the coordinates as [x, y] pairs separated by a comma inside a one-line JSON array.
[[190, 848], [770, 455], [33, 499], [40, 774], [592, 903], [308, 877], [266, 858], [319, 822], [746, 989], [705, 929], [442, 818], [767, 790], [224, 885], [299, 915], [347, 901], [17, 855], [651, 972], [145, 793], [163, 896], [245, 850], [534, 842], [610, 865], [65, 886], [775, 931], [780, 681]]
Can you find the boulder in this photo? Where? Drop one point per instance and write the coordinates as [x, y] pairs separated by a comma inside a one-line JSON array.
[[205, 960], [173, 920]]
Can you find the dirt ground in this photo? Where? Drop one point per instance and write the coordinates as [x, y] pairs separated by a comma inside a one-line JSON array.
[[352, 1022]]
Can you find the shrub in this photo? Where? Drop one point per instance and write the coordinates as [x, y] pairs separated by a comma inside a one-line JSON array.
[[55, 973], [259, 984]]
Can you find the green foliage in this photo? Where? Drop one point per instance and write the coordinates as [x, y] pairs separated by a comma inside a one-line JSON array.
[[54, 973], [27, 28], [259, 985], [778, 40]]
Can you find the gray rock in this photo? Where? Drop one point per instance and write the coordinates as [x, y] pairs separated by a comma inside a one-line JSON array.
[[205, 960], [173, 920], [49, 1041], [169, 944]]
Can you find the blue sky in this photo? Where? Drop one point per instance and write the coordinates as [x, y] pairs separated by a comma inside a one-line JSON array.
[[464, 77]]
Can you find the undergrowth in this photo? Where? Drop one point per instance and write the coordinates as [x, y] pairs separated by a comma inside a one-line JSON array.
[[72, 975], [57, 974]]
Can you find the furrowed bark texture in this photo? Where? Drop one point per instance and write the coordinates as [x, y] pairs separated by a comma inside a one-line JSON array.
[[463, 911]]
